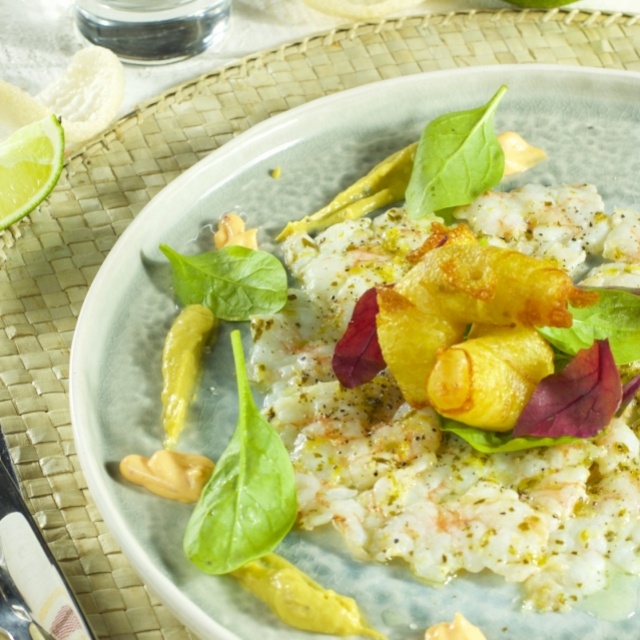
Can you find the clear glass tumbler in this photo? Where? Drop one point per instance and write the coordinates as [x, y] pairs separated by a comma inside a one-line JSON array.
[[153, 31]]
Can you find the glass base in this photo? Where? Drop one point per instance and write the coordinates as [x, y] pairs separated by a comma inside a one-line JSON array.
[[156, 41]]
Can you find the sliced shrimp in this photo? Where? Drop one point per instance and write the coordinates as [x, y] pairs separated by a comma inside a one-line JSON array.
[[622, 243], [565, 223]]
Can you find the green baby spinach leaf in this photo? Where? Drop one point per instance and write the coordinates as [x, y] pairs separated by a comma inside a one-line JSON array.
[[234, 282], [616, 317], [458, 157], [499, 442], [250, 502]]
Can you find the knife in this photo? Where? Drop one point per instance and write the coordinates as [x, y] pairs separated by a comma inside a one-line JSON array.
[[32, 585], [7, 460]]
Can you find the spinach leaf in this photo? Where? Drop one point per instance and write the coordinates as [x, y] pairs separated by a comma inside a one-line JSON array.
[[458, 157], [499, 442], [234, 282], [250, 502], [616, 317]]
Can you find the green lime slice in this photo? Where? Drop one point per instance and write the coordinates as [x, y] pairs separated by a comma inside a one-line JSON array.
[[31, 161]]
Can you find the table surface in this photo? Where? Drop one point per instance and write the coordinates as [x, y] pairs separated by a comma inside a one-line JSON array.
[[38, 40]]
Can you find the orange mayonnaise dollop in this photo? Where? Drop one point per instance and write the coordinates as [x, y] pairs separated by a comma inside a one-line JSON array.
[[519, 155], [170, 474], [231, 232], [459, 629]]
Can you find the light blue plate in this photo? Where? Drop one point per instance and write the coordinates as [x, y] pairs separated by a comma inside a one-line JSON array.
[[587, 120]]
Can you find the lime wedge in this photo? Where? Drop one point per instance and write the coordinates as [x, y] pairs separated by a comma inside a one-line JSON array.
[[31, 161]]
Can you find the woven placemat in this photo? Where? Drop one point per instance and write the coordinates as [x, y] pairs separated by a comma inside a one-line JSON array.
[[51, 259]]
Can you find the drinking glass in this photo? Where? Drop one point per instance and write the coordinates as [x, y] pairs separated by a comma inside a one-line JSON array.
[[153, 31]]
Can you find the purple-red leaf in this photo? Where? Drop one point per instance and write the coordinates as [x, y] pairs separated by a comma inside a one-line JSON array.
[[357, 357], [579, 401], [629, 391]]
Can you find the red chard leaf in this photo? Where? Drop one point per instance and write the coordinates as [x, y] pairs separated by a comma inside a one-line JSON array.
[[629, 391], [578, 401], [357, 357]]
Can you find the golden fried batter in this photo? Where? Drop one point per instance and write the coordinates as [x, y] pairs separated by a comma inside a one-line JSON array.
[[489, 285], [409, 340], [441, 236], [487, 380]]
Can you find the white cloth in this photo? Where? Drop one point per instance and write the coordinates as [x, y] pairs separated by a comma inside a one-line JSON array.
[[38, 37]]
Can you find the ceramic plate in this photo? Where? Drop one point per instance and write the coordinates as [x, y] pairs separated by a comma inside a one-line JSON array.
[[587, 120]]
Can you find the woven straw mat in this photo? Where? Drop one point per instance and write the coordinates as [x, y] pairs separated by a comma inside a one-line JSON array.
[[49, 261]]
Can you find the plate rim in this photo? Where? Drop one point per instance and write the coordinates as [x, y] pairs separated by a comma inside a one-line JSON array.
[[180, 605]]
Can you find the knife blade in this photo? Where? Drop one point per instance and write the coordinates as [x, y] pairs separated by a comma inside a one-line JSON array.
[[27, 566], [7, 461]]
